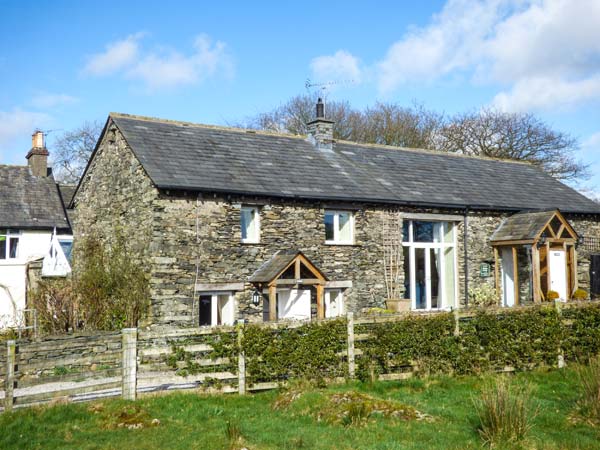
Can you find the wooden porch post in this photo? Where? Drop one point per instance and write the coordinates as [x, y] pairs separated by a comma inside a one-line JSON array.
[[272, 303], [320, 302], [516, 274], [549, 285], [535, 267], [497, 276]]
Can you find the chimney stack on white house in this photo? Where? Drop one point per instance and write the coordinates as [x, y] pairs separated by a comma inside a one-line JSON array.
[[37, 158], [320, 130]]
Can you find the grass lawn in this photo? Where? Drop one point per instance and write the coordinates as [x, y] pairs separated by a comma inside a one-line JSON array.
[[189, 420]]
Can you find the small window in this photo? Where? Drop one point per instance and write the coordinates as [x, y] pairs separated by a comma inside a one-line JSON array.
[[250, 223], [215, 309], [339, 227], [334, 303], [67, 247], [9, 244]]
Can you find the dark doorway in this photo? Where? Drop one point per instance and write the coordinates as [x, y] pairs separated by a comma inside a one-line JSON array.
[[595, 274], [205, 310]]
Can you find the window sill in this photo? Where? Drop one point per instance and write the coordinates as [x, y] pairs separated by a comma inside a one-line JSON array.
[[344, 244], [250, 242]]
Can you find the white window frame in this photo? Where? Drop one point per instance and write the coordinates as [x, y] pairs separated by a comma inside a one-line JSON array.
[[255, 239], [10, 235], [336, 227], [342, 302], [442, 246], [214, 314]]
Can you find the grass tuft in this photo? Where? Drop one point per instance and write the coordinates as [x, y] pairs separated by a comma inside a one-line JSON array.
[[589, 384], [504, 412]]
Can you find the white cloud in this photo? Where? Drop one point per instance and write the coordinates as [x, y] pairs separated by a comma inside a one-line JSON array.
[[545, 53], [342, 65], [46, 100], [117, 56], [18, 123], [174, 69], [164, 68]]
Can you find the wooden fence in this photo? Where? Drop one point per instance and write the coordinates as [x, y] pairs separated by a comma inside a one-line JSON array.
[[126, 363]]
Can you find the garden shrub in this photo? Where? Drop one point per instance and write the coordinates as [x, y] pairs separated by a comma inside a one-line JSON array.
[[107, 291]]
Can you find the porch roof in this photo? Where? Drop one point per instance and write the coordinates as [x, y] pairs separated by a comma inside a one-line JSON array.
[[527, 227], [278, 263]]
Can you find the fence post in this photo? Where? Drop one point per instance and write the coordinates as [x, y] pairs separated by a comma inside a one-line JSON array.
[[351, 364], [129, 363], [10, 376], [561, 355], [241, 358], [456, 322]]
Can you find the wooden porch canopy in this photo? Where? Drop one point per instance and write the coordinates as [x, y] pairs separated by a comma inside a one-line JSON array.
[[543, 231], [289, 268]]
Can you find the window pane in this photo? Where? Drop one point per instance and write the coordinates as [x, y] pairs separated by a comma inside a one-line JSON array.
[[67, 247], [420, 281], [328, 226], [14, 244], [423, 231], [448, 232], [345, 234], [2, 247], [449, 277], [223, 313], [405, 235], [246, 218], [205, 310]]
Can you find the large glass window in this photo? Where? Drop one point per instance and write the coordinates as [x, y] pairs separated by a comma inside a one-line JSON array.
[[339, 227], [9, 244], [429, 264], [250, 224]]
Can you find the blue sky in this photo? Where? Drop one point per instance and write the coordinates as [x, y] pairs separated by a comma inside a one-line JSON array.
[[65, 62]]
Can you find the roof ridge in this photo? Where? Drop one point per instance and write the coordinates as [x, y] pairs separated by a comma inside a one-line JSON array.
[[204, 125], [432, 151]]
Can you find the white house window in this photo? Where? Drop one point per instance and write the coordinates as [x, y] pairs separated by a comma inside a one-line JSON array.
[[430, 275], [339, 227], [9, 244], [334, 303], [216, 309], [250, 222]]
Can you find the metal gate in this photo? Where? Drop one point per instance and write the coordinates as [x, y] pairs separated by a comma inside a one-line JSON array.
[[595, 274]]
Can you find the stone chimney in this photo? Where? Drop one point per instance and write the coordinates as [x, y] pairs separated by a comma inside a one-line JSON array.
[[320, 130], [37, 158]]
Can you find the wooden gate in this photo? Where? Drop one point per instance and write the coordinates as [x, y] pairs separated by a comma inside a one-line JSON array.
[[595, 274]]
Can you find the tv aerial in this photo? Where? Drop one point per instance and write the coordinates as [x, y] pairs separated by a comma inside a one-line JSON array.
[[309, 84]]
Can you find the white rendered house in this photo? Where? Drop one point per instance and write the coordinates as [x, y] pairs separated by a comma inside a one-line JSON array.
[[33, 226]]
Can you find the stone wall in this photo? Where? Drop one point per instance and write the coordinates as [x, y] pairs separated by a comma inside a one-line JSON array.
[[590, 227]]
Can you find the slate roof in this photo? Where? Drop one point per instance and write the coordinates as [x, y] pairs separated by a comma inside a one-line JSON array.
[[67, 192], [522, 226], [273, 266], [178, 155], [29, 202]]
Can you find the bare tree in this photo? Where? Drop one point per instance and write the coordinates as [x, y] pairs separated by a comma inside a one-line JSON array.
[[384, 123], [513, 136], [72, 149]]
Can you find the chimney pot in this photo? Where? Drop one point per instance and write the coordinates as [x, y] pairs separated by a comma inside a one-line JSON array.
[[37, 139], [320, 109]]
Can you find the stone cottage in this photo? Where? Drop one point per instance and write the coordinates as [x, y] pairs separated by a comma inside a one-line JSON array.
[[34, 229], [234, 223]]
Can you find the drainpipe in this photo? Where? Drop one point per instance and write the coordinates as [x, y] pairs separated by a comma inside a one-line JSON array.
[[466, 255]]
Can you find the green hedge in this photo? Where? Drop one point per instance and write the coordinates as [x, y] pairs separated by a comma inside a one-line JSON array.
[[309, 351], [488, 341]]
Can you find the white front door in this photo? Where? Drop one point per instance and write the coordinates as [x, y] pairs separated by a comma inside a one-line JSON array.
[[294, 304], [558, 272], [508, 282]]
